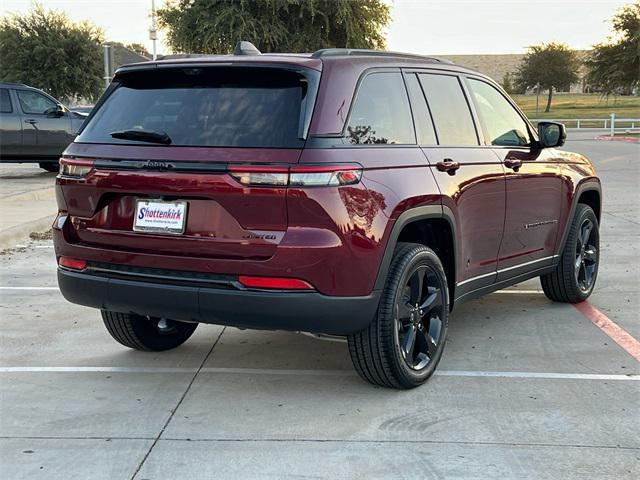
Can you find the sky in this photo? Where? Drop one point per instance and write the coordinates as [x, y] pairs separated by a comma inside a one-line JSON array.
[[418, 26]]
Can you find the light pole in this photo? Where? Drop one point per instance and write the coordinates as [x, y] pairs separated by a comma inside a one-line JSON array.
[[108, 66], [153, 35]]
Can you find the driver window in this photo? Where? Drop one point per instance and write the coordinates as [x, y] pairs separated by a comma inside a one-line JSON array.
[[34, 102], [502, 123]]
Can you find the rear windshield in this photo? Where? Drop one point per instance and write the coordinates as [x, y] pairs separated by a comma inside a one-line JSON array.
[[212, 106]]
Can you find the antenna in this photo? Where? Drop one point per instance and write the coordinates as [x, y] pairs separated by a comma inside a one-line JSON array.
[[246, 48]]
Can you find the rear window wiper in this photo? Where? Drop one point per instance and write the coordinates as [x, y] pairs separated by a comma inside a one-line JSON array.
[[143, 136]]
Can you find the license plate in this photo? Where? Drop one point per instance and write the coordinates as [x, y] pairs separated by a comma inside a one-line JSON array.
[[154, 216]]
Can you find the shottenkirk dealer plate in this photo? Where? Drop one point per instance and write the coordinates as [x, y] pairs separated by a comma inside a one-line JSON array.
[[155, 216]]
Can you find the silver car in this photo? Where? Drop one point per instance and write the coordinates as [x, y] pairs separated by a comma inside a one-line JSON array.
[[34, 126]]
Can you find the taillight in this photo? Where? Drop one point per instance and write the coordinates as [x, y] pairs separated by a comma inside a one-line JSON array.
[[297, 176], [277, 283], [257, 175], [324, 176], [75, 167], [72, 263]]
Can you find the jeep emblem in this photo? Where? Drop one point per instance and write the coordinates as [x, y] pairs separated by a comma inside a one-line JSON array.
[[157, 165]]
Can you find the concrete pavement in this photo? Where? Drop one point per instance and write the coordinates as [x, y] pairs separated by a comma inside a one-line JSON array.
[[21, 178], [27, 202], [526, 388]]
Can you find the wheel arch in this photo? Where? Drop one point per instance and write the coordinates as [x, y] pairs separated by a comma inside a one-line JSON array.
[[589, 193], [432, 226], [591, 197]]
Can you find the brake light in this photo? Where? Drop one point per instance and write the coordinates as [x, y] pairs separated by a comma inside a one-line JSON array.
[[275, 283], [72, 263], [75, 167], [324, 176], [297, 176], [274, 176]]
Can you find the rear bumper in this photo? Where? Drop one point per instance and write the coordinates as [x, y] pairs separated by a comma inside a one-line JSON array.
[[271, 310]]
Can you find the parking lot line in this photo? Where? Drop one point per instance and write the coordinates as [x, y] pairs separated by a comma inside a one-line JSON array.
[[544, 375], [97, 370], [275, 371], [29, 288], [619, 335]]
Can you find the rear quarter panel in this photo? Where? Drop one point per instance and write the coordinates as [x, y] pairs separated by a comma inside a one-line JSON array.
[[362, 216]]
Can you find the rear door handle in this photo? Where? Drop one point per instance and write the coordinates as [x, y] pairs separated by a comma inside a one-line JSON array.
[[448, 165], [513, 163]]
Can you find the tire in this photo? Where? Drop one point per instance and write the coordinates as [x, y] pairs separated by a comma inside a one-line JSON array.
[[575, 276], [383, 354], [49, 166], [147, 333]]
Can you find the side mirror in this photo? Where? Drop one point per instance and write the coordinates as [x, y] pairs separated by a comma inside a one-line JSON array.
[[55, 112], [551, 134]]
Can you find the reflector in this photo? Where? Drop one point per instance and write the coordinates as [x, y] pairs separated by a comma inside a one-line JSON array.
[[72, 263], [275, 283]]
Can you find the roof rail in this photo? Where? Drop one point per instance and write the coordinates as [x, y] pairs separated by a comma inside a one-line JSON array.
[[246, 48], [336, 52], [15, 84]]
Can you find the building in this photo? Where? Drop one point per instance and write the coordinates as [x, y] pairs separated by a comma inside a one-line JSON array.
[[497, 66]]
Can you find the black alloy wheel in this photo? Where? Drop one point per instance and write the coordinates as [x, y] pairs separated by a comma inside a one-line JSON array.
[[574, 277], [419, 314], [586, 262], [404, 343]]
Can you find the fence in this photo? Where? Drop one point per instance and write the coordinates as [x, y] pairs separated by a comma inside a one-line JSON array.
[[612, 123]]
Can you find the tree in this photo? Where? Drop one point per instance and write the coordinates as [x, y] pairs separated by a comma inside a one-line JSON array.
[[139, 49], [136, 48], [614, 66], [47, 51], [507, 83], [552, 65], [215, 26]]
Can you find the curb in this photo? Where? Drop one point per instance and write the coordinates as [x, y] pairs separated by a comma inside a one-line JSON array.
[[11, 237], [618, 139], [42, 194]]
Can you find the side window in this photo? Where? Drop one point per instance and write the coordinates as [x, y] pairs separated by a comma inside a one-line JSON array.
[[502, 123], [421, 116], [5, 101], [448, 105], [34, 102], [381, 114]]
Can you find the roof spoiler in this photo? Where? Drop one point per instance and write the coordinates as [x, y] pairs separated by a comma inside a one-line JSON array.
[[246, 48]]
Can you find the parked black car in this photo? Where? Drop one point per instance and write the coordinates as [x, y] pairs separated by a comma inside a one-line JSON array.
[[34, 126]]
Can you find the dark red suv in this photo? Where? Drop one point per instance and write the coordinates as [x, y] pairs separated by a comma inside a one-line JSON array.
[[348, 192]]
